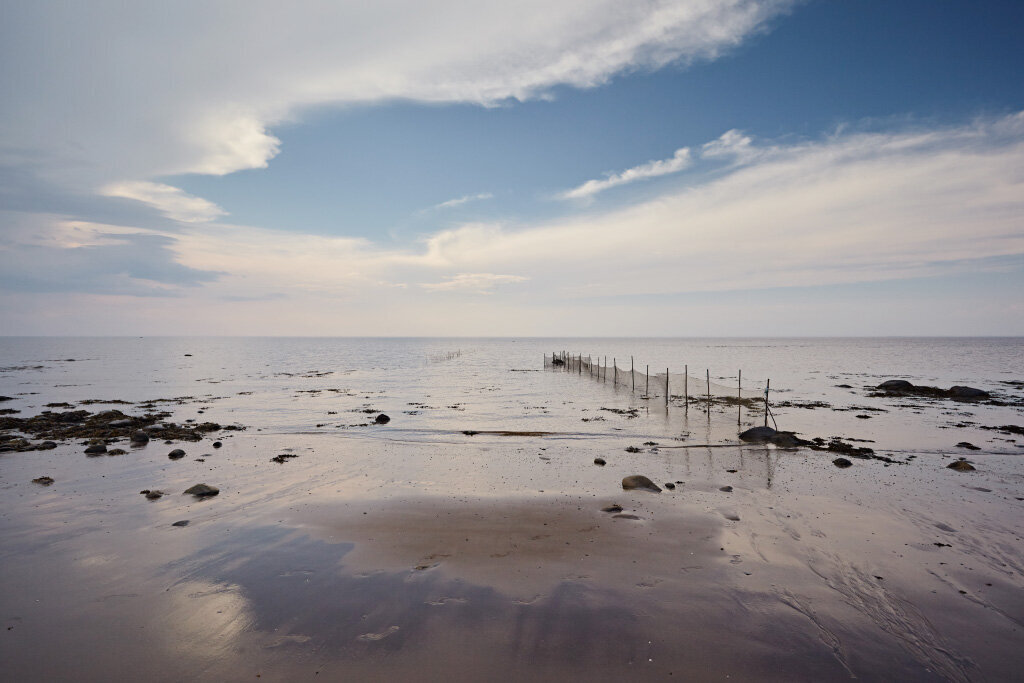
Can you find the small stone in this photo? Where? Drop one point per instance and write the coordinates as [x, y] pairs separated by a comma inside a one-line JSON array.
[[670, 486], [176, 454], [624, 516], [96, 448], [116, 451], [217, 444], [181, 522], [600, 461], [201, 490], [43, 481], [612, 508], [151, 495], [961, 466], [382, 419], [139, 437], [842, 463], [639, 481], [726, 489], [968, 445]]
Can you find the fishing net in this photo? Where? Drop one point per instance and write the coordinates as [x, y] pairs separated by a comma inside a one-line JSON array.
[[676, 385]]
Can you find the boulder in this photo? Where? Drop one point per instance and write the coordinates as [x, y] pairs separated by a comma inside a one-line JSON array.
[[139, 437], [96, 449], [382, 419], [896, 385], [176, 454], [600, 461], [640, 482], [842, 463], [758, 435], [961, 466], [43, 481], [967, 392], [202, 490]]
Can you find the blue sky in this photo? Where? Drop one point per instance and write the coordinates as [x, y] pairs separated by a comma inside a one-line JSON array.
[[736, 167]]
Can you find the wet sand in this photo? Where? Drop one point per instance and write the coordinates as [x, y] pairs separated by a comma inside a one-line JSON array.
[[491, 558]]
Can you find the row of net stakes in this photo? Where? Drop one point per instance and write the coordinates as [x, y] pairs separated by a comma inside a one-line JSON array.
[[576, 363]]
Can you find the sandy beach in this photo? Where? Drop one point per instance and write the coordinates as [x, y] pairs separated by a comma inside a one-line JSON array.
[[390, 553]]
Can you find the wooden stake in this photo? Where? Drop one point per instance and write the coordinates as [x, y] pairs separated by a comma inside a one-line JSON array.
[[647, 381], [686, 387], [632, 375], [766, 386], [666, 386], [615, 372], [739, 397]]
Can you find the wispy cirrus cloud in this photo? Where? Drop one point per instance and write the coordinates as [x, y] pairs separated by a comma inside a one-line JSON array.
[[172, 202], [479, 283], [652, 169], [465, 199]]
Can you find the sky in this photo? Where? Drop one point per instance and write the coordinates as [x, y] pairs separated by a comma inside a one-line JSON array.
[[514, 168]]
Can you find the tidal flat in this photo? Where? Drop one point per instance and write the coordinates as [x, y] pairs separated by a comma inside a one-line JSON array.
[[474, 536]]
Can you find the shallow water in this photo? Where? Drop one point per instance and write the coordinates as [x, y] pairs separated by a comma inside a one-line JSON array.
[[414, 551]]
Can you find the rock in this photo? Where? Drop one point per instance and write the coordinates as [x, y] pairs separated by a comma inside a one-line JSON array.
[[151, 495], [624, 516], [139, 437], [116, 451], [961, 466], [758, 435], [726, 489], [967, 392], [382, 419], [6, 398], [670, 486], [470, 432], [283, 457], [176, 454], [43, 481], [640, 482], [968, 445], [612, 508], [201, 490], [842, 463], [217, 444], [632, 449], [843, 386], [47, 446], [181, 522], [96, 449], [895, 385], [600, 461]]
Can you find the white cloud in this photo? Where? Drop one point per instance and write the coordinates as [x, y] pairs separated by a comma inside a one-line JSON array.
[[731, 144], [480, 283], [463, 200], [170, 201], [107, 92], [652, 169]]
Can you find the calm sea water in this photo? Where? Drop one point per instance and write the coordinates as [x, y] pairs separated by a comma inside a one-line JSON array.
[[434, 386]]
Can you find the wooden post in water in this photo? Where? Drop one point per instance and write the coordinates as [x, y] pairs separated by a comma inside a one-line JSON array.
[[606, 368], [666, 387], [615, 372], [686, 387], [708, 371], [767, 384], [739, 397], [632, 375], [647, 382]]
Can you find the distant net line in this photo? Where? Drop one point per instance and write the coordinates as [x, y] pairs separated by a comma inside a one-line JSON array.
[[669, 386]]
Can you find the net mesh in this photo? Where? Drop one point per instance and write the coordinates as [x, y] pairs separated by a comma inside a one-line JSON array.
[[676, 385]]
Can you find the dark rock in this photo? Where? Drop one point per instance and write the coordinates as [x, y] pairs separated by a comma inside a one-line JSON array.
[[152, 495], [201, 490], [896, 385], [967, 392], [968, 445], [624, 516], [600, 461], [6, 398], [217, 444], [470, 432], [640, 482], [283, 457], [670, 486], [382, 419], [961, 466], [176, 454], [139, 437], [182, 522], [43, 481], [47, 446], [726, 489], [632, 449], [842, 463], [612, 508], [116, 451], [843, 386], [96, 449], [758, 435]]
